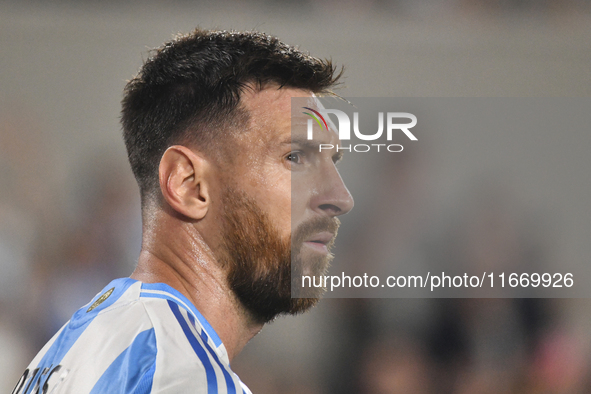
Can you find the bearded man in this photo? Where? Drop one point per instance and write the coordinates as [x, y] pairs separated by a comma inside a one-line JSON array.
[[229, 195]]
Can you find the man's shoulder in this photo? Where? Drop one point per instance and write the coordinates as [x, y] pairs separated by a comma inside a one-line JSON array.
[[116, 315], [126, 308], [125, 314], [135, 337], [110, 333]]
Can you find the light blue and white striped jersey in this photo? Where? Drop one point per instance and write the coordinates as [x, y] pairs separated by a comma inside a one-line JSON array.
[[133, 337]]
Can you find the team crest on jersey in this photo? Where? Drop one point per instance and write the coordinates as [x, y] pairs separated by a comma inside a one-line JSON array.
[[101, 299]]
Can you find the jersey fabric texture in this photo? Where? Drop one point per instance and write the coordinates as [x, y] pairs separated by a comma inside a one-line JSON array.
[[133, 337]]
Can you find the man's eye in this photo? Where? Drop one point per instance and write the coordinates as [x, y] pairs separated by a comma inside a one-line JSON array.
[[295, 157]]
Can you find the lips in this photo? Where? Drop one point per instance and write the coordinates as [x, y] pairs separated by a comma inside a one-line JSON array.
[[320, 241]]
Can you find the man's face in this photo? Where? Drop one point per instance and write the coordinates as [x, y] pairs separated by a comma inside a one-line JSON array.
[[280, 210]]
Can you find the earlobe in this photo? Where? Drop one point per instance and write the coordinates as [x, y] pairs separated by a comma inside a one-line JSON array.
[[182, 175]]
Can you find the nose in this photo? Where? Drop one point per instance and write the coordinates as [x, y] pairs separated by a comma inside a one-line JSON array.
[[332, 197]]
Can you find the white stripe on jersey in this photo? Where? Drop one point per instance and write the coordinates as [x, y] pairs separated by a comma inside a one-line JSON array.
[[133, 338]]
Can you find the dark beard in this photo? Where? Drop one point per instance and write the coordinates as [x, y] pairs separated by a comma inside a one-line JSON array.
[[259, 261]]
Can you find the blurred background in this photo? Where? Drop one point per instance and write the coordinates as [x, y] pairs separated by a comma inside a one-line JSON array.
[[69, 210]]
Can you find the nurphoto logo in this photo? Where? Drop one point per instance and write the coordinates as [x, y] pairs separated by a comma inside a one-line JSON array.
[[344, 126]]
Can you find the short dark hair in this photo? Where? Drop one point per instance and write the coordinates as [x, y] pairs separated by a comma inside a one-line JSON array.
[[189, 90]]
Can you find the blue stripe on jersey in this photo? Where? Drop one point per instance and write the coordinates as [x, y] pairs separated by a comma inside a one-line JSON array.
[[229, 381], [75, 327], [212, 384], [204, 337], [161, 287], [128, 372]]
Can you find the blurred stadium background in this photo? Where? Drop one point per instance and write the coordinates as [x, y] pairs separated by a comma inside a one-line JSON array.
[[69, 212]]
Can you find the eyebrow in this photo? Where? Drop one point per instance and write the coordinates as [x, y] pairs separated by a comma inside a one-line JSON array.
[[304, 143]]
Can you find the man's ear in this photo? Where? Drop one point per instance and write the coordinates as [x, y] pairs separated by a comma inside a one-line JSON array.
[[182, 175]]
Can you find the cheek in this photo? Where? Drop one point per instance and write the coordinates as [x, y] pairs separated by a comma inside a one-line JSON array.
[[270, 183], [300, 197], [274, 198], [282, 207]]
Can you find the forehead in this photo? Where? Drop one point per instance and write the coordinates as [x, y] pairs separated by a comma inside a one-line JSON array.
[[271, 113]]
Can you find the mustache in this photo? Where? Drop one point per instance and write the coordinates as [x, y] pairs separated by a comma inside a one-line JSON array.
[[314, 226]]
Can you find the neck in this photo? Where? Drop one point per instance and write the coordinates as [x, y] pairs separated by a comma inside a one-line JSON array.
[[175, 253]]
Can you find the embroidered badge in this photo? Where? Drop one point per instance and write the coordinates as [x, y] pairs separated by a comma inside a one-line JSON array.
[[101, 299]]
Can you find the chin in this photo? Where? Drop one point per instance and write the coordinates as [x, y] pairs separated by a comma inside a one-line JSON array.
[[312, 264]]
